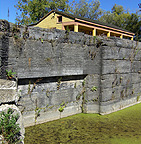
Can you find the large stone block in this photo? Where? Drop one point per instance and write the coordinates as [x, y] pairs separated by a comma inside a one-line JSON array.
[[114, 66], [116, 53], [109, 107], [62, 96], [136, 77], [91, 108], [136, 66], [136, 89], [8, 91], [117, 79], [125, 43], [117, 93], [92, 88]]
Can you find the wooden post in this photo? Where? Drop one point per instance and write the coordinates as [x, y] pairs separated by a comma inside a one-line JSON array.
[[108, 34], [63, 28], [94, 32], [121, 36], [76, 28]]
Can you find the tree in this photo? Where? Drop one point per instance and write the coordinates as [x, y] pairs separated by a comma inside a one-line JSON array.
[[133, 23], [118, 16], [33, 10], [118, 9], [122, 18], [85, 9]]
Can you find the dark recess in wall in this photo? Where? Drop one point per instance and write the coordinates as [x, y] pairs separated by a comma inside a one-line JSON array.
[[50, 79], [4, 55]]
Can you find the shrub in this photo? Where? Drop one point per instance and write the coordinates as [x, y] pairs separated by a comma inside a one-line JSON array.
[[9, 128], [10, 74]]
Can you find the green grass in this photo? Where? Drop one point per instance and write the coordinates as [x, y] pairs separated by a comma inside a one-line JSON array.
[[122, 127]]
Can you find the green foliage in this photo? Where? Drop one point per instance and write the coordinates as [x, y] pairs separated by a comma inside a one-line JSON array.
[[67, 29], [75, 85], [42, 40], [47, 92], [30, 90], [122, 18], [10, 74], [137, 51], [118, 9], [83, 83], [85, 9], [48, 59], [138, 98], [61, 109], [62, 106], [121, 78], [15, 29], [58, 83], [37, 113], [95, 39], [16, 36], [94, 88], [33, 10], [9, 129], [78, 97], [95, 100]]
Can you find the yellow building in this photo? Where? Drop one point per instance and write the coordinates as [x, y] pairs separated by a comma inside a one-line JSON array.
[[60, 20]]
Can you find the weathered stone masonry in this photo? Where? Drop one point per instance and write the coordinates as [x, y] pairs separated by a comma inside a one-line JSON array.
[[8, 99], [54, 68]]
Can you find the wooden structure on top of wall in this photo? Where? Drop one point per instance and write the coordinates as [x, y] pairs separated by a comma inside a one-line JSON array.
[[63, 21]]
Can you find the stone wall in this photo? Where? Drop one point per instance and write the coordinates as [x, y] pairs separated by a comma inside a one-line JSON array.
[[58, 68], [9, 99], [120, 82]]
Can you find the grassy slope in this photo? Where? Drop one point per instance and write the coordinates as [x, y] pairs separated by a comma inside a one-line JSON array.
[[122, 127]]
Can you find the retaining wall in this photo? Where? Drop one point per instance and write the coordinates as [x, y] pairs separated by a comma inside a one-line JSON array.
[[58, 68]]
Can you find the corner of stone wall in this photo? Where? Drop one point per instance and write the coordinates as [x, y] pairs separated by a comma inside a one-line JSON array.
[[120, 75], [8, 99]]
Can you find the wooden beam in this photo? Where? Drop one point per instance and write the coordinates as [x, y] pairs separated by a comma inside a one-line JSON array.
[[121, 36], [76, 28]]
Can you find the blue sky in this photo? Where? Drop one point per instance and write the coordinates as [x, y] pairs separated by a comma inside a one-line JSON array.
[[131, 5]]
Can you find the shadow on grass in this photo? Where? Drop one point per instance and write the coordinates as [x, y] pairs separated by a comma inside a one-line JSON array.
[[122, 127]]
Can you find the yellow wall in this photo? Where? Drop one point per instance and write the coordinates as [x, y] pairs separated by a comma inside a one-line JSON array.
[[51, 21], [65, 19]]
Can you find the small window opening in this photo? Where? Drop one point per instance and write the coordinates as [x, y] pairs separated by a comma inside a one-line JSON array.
[[60, 19]]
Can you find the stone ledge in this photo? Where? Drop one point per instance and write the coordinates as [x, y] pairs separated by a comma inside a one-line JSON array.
[[29, 120], [8, 91], [107, 108], [7, 84]]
